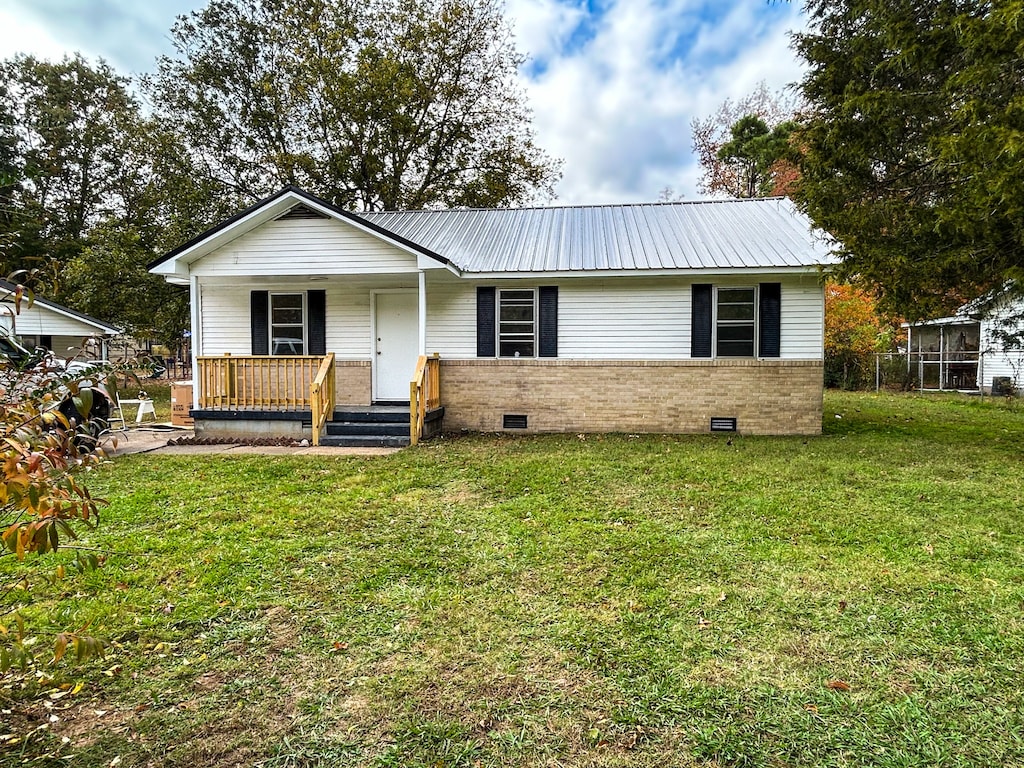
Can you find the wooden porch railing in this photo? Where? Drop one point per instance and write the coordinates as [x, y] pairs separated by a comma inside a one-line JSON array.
[[321, 394], [424, 394], [258, 382]]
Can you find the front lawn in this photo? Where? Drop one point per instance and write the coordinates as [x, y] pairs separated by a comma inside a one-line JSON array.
[[844, 600]]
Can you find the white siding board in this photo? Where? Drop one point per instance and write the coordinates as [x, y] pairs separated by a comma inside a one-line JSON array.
[[997, 361], [226, 326], [305, 247], [803, 315], [451, 320], [39, 320], [622, 319]]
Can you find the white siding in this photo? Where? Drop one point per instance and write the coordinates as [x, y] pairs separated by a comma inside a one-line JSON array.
[[451, 319], [997, 360], [803, 319], [305, 247], [39, 320], [226, 326], [626, 319]]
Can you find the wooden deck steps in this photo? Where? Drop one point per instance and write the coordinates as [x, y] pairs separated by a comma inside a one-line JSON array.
[[377, 426]]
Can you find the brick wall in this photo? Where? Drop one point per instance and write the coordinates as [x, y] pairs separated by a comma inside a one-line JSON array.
[[352, 382], [766, 397]]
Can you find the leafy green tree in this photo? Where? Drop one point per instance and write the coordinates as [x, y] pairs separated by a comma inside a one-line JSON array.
[[754, 154], [84, 202], [375, 105], [109, 279], [913, 145], [69, 131], [725, 175]]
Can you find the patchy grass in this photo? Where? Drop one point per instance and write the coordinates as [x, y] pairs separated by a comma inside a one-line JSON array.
[[852, 599]]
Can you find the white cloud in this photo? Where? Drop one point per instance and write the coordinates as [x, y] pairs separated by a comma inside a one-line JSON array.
[[542, 26], [618, 111], [613, 90], [22, 34]]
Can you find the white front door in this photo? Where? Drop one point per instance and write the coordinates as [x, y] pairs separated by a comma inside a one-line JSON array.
[[396, 345]]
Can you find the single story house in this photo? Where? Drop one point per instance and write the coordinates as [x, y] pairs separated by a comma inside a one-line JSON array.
[[668, 317], [977, 349], [50, 325]]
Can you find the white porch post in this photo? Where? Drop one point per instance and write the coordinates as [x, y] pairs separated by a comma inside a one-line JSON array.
[[197, 340], [423, 312]]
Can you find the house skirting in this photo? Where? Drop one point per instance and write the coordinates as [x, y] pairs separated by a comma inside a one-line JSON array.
[[777, 397]]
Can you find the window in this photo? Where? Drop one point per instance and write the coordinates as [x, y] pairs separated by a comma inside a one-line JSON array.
[[517, 327], [735, 313], [287, 324]]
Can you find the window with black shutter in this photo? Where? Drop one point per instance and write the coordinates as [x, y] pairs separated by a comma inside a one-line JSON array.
[[736, 321], [517, 322]]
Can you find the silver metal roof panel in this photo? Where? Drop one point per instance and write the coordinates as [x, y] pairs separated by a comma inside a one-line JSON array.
[[698, 235]]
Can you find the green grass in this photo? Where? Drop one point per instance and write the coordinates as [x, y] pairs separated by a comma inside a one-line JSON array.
[[607, 601]]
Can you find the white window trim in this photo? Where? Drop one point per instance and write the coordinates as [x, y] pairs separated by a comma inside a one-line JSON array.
[[497, 324], [714, 322], [305, 319]]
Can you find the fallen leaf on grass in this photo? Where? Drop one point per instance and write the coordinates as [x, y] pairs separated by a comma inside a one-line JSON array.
[[838, 685]]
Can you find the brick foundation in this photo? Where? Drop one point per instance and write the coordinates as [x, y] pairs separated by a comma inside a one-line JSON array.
[[776, 397], [352, 381]]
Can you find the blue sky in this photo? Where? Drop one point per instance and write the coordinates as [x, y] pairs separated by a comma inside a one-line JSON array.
[[613, 84]]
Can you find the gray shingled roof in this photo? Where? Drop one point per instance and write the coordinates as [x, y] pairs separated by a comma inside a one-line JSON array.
[[720, 234]]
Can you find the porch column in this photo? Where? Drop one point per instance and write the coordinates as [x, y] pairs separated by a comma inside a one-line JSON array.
[[423, 312], [196, 337]]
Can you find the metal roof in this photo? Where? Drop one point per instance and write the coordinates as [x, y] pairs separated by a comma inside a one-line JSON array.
[[712, 234]]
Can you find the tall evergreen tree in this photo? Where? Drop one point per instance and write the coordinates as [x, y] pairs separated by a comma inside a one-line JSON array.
[[914, 146]]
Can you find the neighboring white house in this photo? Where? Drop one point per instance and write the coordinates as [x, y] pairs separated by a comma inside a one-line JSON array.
[[635, 318], [50, 325], [977, 349]]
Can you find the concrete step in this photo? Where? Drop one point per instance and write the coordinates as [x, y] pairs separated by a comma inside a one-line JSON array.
[[365, 441], [342, 428], [377, 414]]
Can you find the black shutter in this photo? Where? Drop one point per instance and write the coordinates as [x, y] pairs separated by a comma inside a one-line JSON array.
[[485, 322], [548, 325], [700, 321], [259, 307], [770, 320], [316, 307]]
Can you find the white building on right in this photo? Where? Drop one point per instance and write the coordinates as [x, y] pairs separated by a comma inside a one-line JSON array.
[[980, 348]]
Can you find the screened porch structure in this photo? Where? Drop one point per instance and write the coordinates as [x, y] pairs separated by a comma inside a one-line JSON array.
[[945, 355]]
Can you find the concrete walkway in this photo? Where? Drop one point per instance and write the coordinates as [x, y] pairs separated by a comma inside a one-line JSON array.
[[153, 438]]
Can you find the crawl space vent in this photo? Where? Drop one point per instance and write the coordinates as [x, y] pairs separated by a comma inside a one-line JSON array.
[[722, 424], [513, 421]]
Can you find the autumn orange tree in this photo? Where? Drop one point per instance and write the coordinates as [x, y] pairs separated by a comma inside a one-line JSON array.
[[854, 333], [44, 454]]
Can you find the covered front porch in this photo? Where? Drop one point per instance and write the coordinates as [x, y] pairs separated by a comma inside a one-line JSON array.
[[296, 396]]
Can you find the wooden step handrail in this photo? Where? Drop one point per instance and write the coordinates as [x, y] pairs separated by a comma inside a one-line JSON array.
[[321, 396], [424, 394]]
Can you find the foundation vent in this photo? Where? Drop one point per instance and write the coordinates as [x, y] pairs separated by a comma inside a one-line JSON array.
[[722, 424], [513, 421]]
